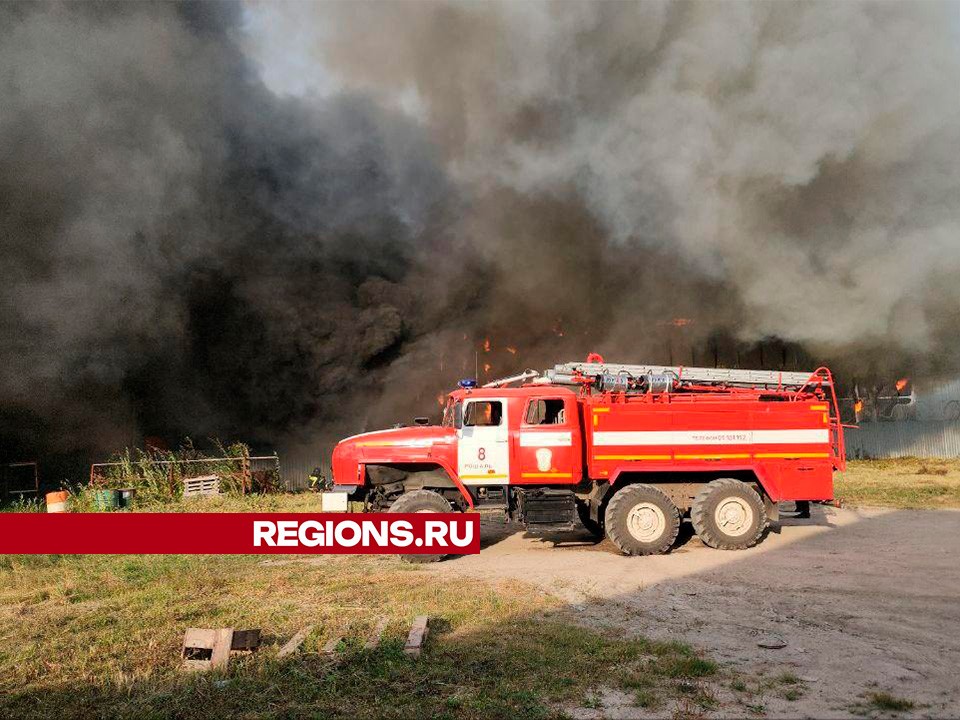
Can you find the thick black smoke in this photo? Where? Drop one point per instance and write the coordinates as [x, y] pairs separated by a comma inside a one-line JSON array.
[[185, 253], [188, 253]]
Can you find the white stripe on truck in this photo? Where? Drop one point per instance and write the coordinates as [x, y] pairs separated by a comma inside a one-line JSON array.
[[712, 437], [546, 439]]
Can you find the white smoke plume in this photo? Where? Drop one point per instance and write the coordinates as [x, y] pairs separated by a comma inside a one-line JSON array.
[[802, 154]]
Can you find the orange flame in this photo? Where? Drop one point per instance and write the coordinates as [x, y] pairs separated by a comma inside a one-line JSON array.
[[681, 322], [902, 383], [858, 406], [486, 367], [511, 350], [486, 344], [440, 400]]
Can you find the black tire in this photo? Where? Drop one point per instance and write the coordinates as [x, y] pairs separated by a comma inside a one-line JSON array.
[[591, 525], [421, 501], [745, 504], [631, 532]]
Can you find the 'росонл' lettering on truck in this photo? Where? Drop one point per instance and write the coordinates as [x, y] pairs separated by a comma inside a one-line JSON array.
[[625, 450]]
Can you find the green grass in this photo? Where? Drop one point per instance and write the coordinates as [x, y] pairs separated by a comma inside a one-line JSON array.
[[101, 635], [900, 483], [670, 670]]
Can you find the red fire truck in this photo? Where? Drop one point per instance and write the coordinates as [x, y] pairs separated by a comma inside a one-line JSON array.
[[625, 450]]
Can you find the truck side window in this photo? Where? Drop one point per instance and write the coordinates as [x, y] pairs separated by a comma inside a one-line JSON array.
[[483, 413], [545, 412]]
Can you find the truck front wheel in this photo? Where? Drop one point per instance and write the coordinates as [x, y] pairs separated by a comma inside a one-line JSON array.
[[728, 515], [642, 520], [421, 501]]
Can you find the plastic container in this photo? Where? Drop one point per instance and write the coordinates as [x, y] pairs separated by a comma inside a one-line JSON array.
[[57, 501], [106, 500]]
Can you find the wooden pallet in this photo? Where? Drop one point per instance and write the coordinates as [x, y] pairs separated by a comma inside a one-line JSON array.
[[209, 649], [201, 485]]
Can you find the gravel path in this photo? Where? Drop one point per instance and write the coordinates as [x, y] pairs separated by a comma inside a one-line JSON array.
[[866, 601]]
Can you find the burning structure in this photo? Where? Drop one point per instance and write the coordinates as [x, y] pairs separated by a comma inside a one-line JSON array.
[[199, 241]]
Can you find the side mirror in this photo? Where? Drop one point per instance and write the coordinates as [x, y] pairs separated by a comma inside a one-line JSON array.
[[421, 421]]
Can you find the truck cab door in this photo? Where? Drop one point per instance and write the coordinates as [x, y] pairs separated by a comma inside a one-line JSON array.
[[483, 446], [549, 447]]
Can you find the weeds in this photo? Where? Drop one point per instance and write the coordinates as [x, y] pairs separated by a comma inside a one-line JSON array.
[[24, 505], [157, 477], [788, 678], [889, 703]]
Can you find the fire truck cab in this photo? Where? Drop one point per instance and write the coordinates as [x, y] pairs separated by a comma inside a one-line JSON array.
[[623, 450]]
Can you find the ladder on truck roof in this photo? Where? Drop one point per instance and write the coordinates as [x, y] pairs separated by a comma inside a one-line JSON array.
[[564, 373]]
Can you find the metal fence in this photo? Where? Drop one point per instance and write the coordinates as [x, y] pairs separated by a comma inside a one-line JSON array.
[[917, 438], [19, 478]]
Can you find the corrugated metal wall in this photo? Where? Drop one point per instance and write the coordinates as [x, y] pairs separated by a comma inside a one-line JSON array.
[[918, 438], [296, 466]]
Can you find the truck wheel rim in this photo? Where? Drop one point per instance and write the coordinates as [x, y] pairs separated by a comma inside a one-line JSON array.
[[646, 522], [733, 516]]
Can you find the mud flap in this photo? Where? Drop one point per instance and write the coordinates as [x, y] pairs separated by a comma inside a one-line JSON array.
[[773, 513]]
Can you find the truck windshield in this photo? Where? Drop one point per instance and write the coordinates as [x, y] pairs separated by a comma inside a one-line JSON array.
[[452, 414]]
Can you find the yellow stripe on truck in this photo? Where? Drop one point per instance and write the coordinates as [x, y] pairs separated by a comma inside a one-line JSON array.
[[632, 457], [726, 456], [792, 455], [547, 475]]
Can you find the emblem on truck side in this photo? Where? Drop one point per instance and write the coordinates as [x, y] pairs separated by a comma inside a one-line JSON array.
[[544, 459]]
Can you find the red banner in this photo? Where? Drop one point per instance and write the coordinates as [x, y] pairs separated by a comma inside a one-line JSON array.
[[239, 533]]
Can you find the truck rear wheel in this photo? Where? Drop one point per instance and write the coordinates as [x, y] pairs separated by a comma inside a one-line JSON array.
[[728, 515], [421, 501], [642, 520]]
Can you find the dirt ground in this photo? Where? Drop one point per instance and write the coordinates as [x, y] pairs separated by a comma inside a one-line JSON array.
[[866, 600]]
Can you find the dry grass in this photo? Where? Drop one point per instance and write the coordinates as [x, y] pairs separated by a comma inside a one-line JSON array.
[[100, 636], [901, 483], [889, 703]]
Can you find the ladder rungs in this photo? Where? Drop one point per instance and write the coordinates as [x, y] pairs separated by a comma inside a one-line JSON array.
[[694, 374]]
